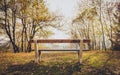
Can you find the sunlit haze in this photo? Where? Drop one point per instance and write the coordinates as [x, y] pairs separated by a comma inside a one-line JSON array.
[[65, 8]]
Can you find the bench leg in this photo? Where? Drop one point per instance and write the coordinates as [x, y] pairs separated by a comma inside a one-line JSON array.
[[36, 52], [36, 56], [80, 52], [80, 57], [39, 56]]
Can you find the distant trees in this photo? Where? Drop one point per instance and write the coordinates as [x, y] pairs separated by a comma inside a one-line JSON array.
[[116, 35], [85, 22], [96, 21]]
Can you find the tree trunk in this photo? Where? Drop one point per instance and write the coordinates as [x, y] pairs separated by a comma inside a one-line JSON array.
[[104, 45], [32, 33], [7, 28], [110, 26], [94, 38], [88, 37], [15, 47], [22, 41]]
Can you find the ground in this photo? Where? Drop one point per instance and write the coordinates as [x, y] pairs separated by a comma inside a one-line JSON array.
[[62, 63]]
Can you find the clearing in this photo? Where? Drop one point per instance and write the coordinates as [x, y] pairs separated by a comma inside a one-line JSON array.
[[61, 63]]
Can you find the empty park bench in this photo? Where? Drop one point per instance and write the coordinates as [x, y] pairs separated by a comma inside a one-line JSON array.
[[38, 51]]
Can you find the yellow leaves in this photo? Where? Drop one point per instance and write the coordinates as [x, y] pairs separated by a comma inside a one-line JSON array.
[[22, 1], [40, 11], [87, 13], [25, 11], [35, 9], [42, 17], [25, 7], [34, 3]]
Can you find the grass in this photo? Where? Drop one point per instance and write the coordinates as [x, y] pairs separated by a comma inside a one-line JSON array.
[[94, 63]]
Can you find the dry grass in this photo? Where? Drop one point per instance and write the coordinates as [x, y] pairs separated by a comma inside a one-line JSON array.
[[94, 62]]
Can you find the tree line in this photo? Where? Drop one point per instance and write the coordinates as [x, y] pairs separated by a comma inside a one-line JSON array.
[[98, 21], [21, 20]]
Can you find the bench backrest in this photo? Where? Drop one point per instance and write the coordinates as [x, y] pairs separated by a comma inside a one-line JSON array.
[[60, 41]]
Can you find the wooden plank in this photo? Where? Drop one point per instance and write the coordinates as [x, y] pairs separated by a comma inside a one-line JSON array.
[[60, 41], [58, 49], [80, 52], [86, 41], [36, 51]]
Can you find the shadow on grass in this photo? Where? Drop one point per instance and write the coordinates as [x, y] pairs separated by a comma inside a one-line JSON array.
[[32, 68]]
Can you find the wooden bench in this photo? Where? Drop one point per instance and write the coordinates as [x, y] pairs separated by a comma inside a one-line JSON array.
[[38, 51]]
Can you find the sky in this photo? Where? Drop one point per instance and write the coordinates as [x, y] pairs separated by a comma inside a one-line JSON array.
[[58, 34], [66, 8]]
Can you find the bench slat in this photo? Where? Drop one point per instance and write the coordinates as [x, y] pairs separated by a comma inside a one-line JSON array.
[[60, 41], [58, 49]]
